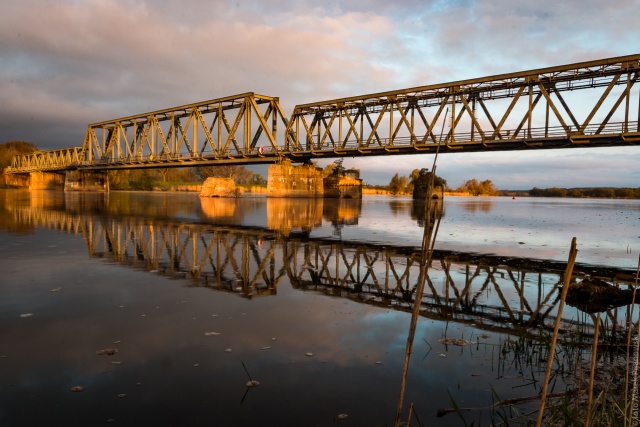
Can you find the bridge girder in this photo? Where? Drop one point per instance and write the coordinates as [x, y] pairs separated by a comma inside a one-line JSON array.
[[587, 104], [524, 110]]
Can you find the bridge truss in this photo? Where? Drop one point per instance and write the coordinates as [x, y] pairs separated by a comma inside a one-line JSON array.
[[588, 104]]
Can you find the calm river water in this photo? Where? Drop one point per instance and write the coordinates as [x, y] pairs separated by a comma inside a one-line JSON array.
[[161, 307]]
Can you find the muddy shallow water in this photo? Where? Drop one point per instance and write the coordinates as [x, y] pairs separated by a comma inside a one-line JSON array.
[[311, 299]]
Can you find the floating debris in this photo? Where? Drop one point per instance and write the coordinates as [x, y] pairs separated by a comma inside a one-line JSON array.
[[378, 363], [309, 354], [212, 334], [273, 339], [341, 417], [116, 363], [195, 365], [251, 382], [266, 348], [77, 388], [55, 290], [442, 355], [455, 341], [228, 350], [121, 395], [107, 351], [484, 336], [117, 342], [26, 315]]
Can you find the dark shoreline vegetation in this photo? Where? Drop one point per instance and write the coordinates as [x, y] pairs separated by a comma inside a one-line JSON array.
[[166, 179]]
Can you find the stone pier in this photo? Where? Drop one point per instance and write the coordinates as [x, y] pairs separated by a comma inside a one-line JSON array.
[[17, 179], [286, 180], [345, 184], [46, 181]]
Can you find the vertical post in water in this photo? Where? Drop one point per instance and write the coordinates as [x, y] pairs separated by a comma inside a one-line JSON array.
[[432, 221], [565, 288]]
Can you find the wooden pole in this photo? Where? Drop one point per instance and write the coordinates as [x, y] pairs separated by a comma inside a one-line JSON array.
[[565, 288], [594, 354]]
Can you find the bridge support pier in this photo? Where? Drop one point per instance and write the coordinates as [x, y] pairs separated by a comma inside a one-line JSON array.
[[86, 181], [17, 179], [286, 180], [46, 181]]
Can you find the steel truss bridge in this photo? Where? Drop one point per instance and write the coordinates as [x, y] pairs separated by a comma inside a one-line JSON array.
[[588, 104], [495, 294]]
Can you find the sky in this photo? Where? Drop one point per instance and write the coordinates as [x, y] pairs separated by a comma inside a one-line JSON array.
[[65, 64]]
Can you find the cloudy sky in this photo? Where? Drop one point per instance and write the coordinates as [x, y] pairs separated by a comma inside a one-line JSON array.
[[67, 63]]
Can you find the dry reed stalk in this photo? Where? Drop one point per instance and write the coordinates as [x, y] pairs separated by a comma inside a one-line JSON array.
[[567, 280], [594, 354], [428, 242]]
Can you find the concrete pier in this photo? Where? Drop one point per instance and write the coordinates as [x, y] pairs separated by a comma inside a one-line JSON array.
[[17, 179], [46, 181], [286, 180], [345, 184]]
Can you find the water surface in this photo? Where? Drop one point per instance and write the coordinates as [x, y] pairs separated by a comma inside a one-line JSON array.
[[312, 297]]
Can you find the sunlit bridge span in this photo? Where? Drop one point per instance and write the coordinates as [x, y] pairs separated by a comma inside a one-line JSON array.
[[495, 294], [588, 104]]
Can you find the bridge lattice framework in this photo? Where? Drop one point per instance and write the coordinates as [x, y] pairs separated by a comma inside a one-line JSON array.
[[587, 104]]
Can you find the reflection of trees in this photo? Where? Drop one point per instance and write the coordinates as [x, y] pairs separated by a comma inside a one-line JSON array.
[[482, 204], [418, 211], [399, 207]]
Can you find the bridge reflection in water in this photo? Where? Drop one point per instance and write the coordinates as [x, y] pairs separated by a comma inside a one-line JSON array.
[[492, 293]]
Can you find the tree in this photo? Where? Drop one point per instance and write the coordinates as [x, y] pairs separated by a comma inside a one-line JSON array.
[[258, 180], [239, 174], [13, 148], [397, 184], [10, 149], [485, 188], [420, 178], [328, 170], [488, 189], [334, 168]]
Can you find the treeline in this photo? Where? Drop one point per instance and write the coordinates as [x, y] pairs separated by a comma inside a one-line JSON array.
[[406, 184], [601, 192], [148, 179]]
